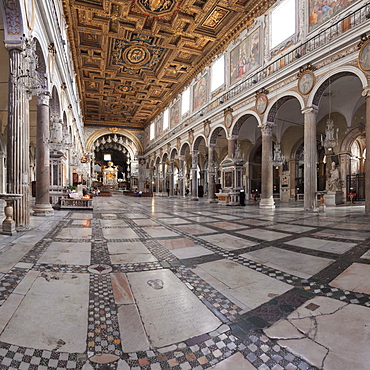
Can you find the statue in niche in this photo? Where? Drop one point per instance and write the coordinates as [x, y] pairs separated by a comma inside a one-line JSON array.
[[333, 182], [110, 174]]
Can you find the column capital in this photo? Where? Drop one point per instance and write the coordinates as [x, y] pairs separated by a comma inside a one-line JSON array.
[[307, 110], [43, 98], [233, 137], [14, 45], [366, 92], [267, 128]]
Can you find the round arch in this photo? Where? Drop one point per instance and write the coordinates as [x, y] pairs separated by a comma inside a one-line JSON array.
[[96, 135]]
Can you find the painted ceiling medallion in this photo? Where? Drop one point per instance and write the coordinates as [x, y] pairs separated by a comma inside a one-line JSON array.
[[136, 55], [157, 6]]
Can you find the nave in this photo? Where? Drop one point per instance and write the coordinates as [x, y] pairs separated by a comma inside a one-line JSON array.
[[166, 283]]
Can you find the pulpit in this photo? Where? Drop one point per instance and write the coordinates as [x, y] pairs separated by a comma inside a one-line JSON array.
[[110, 175]]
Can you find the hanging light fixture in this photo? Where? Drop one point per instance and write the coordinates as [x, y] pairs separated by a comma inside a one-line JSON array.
[[28, 78], [331, 134], [278, 158]]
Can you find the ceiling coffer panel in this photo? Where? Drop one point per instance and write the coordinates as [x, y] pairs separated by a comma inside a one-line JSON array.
[[133, 57]]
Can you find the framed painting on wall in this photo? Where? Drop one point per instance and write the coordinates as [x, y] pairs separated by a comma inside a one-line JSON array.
[[245, 57], [200, 92]]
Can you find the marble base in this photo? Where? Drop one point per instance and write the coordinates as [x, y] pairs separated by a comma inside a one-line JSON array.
[[333, 198], [43, 210], [8, 227], [267, 203]]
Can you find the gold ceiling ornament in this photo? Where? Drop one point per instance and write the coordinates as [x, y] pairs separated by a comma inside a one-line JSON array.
[[114, 130], [157, 7]]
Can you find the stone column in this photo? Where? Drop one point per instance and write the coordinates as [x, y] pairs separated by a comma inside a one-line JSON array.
[[42, 205], [211, 174], [18, 141], [310, 156], [164, 177], [194, 175], [142, 173], [182, 175], [267, 195], [366, 94], [345, 169], [171, 174], [231, 144]]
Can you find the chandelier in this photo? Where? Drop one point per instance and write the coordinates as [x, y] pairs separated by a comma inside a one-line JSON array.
[[28, 78], [331, 136], [278, 158]]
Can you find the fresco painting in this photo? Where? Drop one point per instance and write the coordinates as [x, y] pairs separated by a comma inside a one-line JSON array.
[[245, 57], [175, 114], [322, 10], [200, 92]]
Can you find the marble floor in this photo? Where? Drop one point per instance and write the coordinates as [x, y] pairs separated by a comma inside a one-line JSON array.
[[169, 283]]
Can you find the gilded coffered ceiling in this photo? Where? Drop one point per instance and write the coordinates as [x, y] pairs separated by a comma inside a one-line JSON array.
[[133, 57]]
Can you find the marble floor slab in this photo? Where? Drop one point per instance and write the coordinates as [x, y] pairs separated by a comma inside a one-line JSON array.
[[227, 225], [246, 285], [228, 242], [196, 229], [65, 253], [52, 315], [159, 232], [227, 217], [343, 234], [81, 216], [113, 223], [177, 243], [191, 252], [201, 219], [174, 221], [254, 222], [352, 226], [145, 222], [293, 263], [129, 252], [119, 233], [323, 332], [73, 233], [350, 279], [85, 222], [170, 312], [289, 228], [322, 245], [263, 234]]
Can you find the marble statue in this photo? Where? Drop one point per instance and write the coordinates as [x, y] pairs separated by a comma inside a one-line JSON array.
[[110, 174], [333, 182]]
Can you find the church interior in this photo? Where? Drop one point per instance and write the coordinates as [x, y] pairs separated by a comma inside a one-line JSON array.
[[184, 184]]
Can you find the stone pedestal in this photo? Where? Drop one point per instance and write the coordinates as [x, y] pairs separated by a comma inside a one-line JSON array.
[[333, 198], [9, 224]]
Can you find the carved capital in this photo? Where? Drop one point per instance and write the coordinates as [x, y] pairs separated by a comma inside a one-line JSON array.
[[43, 98], [266, 128], [366, 92], [307, 110]]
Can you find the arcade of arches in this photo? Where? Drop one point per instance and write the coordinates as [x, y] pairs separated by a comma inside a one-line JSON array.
[[162, 213]]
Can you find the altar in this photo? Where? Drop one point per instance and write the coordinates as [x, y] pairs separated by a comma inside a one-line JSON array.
[[110, 175]]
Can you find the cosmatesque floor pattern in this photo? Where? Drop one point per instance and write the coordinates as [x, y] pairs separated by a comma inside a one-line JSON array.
[[169, 283]]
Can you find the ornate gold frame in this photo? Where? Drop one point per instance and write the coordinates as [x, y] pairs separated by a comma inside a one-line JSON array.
[[306, 72], [361, 54]]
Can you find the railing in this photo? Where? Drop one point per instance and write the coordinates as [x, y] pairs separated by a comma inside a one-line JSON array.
[[354, 19]]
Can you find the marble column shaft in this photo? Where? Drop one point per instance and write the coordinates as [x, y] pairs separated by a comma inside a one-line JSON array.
[[366, 94], [194, 176], [42, 204], [231, 144], [171, 177], [182, 177], [211, 174], [267, 194], [310, 156], [18, 142]]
